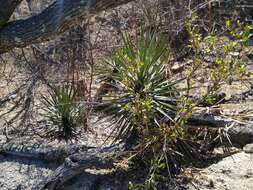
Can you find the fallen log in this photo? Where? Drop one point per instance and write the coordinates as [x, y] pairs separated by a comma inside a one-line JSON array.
[[239, 134], [209, 120], [77, 163], [40, 150], [53, 21]]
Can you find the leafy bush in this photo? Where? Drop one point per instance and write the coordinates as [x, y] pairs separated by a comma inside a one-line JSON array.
[[141, 93], [165, 150], [62, 113], [218, 56], [143, 98]]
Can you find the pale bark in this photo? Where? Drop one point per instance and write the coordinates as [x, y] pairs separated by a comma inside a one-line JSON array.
[[57, 18], [7, 7], [77, 163]]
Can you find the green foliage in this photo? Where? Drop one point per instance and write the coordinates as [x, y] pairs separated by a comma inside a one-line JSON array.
[[133, 186], [194, 34], [225, 68], [224, 61], [142, 94], [143, 98], [167, 149], [241, 32], [183, 113], [170, 146], [212, 99], [62, 113], [164, 151]]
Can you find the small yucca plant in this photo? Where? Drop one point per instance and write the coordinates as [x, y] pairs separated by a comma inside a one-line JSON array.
[[62, 113], [141, 95]]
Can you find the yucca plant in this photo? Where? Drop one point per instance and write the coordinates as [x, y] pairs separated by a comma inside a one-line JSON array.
[[141, 95], [62, 113]]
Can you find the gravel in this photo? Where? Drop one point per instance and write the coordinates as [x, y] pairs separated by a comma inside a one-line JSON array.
[[22, 173]]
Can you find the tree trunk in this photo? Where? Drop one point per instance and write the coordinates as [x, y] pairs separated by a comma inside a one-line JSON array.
[[54, 20], [6, 9]]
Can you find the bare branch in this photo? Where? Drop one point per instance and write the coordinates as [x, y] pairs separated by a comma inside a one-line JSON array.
[[6, 10], [54, 20]]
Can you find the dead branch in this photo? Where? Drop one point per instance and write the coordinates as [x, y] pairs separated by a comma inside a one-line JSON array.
[[54, 20], [6, 10], [77, 163]]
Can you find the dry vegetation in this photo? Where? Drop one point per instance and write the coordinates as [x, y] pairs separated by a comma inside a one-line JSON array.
[[150, 88]]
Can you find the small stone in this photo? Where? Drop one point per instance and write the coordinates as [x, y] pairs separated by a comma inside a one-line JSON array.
[[248, 148], [175, 66]]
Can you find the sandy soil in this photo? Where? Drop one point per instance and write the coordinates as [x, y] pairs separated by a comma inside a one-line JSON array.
[[22, 174]]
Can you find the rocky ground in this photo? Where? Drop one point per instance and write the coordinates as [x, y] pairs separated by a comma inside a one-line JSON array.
[[234, 172], [19, 173]]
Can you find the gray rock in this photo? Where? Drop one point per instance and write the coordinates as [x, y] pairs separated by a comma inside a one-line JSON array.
[[23, 174], [231, 173], [248, 148]]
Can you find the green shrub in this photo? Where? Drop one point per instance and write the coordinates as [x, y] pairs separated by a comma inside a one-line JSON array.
[[62, 113], [141, 93], [219, 54]]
